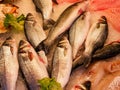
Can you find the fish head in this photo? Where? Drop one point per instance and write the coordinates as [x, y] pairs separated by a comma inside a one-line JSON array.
[[64, 47], [100, 25], [30, 19], [10, 45], [102, 22], [26, 50]]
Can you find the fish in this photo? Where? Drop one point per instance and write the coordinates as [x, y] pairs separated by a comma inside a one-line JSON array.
[[64, 21], [31, 66], [45, 7], [62, 62], [95, 39], [8, 65], [33, 30], [107, 51], [78, 32]]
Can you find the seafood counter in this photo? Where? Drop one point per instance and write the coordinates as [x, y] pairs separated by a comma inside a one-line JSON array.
[[57, 45]]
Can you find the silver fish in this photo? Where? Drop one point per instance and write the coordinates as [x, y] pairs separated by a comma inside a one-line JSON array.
[[95, 39], [78, 32], [33, 69], [8, 65], [45, 6], [62, 62], [64, 21], [34, 31]]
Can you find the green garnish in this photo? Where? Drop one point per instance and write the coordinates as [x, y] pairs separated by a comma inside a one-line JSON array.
[[49, 84], [13, 22]]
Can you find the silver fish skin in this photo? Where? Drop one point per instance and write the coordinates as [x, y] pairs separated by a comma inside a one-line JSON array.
[[95, 39], [8, 65], [45, 6], [33, 30], [78, 32], [62, 62], [32, 68], [64, 21]]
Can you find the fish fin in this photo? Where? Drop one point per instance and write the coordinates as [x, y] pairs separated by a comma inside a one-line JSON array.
[[48, 24]]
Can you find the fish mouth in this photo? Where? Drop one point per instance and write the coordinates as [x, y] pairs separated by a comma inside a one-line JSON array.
[[23, 46], [103, 20], [85, 86], [30, 17], [8, 41]]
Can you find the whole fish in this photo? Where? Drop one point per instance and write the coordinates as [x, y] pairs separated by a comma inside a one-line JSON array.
[[32, 67], [78, 32], [107, 51], [8, 65], [62, 62], [45, 6], [64, 21], [95, 39], [33, 30]]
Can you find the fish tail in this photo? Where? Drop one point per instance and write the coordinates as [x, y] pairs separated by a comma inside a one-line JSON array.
[[86, 60], [43, 47], [48, 24]]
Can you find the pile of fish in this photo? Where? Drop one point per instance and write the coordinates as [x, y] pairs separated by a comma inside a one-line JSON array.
[[71, 49]]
